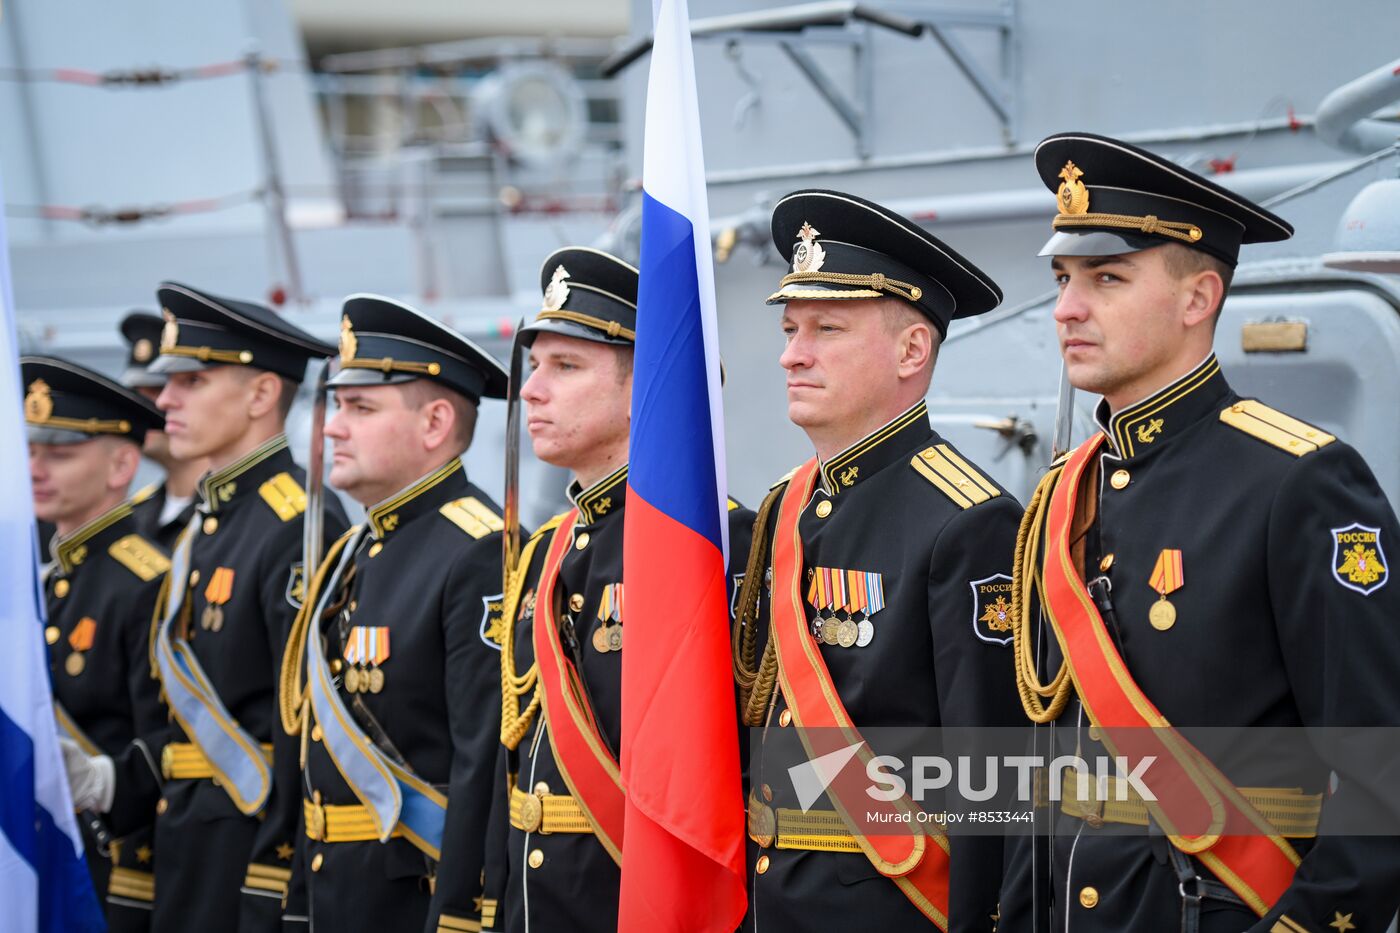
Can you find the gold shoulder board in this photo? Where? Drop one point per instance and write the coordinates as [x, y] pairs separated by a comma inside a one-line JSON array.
[[784, 478], [1274, 427], [733, 505], [284, 496], [472, 516], [144, 493], [955, 477], [139, 556]]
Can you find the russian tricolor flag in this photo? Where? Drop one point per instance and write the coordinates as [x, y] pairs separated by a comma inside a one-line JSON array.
[[44, 882], [683, 848]]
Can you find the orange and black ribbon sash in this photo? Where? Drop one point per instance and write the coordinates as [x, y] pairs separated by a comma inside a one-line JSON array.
[[1201, 811], [911, 856], [588, 768]]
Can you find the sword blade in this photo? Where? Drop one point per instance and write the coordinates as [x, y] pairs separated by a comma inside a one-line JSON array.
[[510, 541], [312, 543]]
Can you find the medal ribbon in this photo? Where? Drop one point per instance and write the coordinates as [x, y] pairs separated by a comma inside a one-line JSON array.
[[82, 635], [1191, 792], [220, 587], [916, 860], [1168, 574]]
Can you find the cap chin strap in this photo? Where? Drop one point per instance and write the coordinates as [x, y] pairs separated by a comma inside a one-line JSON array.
[[1150, 224]]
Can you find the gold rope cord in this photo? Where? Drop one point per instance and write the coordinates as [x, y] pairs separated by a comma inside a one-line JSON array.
[[1025, 582]]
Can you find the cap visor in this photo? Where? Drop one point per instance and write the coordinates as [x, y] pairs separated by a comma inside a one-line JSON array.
[[820, 291], [164, 364], [59, 437], [1095, 243], [568, 329], [139, 377], [369, 377]]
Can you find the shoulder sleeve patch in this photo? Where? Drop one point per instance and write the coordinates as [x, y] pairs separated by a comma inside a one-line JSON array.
[[472, 516], [144, 493], [284, 496], [955, 477], [139, 556], [1274, 427]]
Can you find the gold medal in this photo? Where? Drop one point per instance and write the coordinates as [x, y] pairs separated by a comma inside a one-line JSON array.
[[847, 633], [376, 679], [206, 618], [216, 618], [829, 633], [352, 679], [600, 639], [74, 664], [1162, 615], [614, 637]]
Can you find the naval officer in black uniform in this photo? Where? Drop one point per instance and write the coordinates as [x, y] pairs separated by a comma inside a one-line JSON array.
[[164, 507], [224, 779], [85, 436], [1239, 560], [554, 859], [407, 614], [898, 560]]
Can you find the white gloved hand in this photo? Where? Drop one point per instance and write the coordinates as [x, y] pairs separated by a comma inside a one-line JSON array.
[[92, 779]]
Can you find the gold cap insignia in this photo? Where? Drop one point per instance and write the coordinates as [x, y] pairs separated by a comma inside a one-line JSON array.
[[808, 255], [348, 342], [142, 351], [38, 403], [170, 333], [557, 292], [1073, 196]]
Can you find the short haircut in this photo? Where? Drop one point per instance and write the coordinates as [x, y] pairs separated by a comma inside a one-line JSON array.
[[420, 392], [1182, 261], [899, 314], [625, 357], [287, 398]]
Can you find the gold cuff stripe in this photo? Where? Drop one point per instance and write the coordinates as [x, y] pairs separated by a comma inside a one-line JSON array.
[[813, 831], [1274, 427], [181, 761], [133, 884], [954, 476], [488, 912], [448, 924], [1292, 813], [875, 282], [1286, 924], [206, 354], [611, 328], [341, 823], [547, 813], [268, 878], [1149, 224]]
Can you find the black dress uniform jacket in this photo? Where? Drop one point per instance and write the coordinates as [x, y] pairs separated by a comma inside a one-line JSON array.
[[148, 504], [1273, 629], [216, 869], [572, 883], [429, 570], [943, 552], [101, 590]]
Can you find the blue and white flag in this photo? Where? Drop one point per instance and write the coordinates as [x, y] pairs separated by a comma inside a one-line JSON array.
[[44, 883]]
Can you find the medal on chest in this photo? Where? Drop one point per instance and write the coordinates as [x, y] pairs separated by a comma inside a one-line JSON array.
[[845, 601], [1167, 577]]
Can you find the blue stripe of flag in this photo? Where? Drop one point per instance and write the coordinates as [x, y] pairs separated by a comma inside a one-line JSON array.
[[673, 453]]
